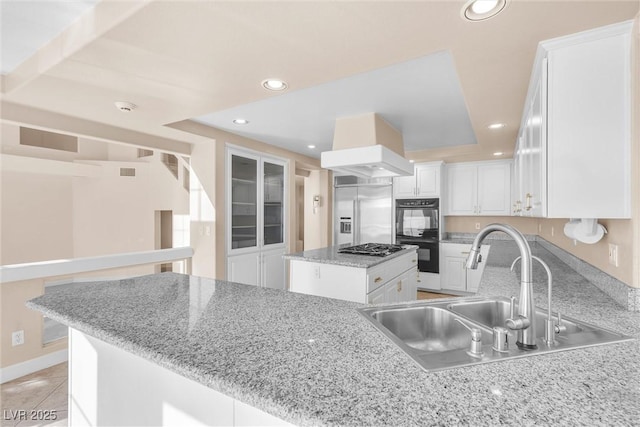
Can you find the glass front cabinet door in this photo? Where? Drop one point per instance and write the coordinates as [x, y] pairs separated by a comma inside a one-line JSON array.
[[256, 201], [273, 212]]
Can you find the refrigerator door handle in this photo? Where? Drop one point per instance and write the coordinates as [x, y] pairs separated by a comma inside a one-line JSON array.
[[356, 223]]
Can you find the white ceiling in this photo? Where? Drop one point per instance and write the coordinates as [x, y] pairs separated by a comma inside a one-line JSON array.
[[27, 25], [179, 60], [422, 98]]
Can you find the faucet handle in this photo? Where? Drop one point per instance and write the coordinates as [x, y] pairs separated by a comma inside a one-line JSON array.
[[512, 307], [560, 327]]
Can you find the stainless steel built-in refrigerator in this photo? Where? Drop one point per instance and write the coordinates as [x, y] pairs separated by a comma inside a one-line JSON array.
[[363, 210]]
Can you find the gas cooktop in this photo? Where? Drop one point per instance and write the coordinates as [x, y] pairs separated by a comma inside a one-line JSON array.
[[372, 249]]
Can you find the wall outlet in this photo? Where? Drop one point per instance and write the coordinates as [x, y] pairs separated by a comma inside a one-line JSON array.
[[17, 338], [539, 228], [477, 226], [552, 231], [613, 254], [316, 272]]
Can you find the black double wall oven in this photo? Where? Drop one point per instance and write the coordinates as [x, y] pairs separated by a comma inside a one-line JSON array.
[[418, 223]]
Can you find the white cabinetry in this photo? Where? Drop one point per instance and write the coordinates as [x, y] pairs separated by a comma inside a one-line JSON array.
[[479, 188], [572, 158], [255, 193], [391, 281], [126, 389], [454, 275], [259, 268], [425, 182]]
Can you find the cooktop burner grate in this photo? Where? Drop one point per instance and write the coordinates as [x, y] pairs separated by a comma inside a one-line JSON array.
[[371, 249]]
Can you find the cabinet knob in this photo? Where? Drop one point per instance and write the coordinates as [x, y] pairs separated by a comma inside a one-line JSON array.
[[377, 279], [399, 287]]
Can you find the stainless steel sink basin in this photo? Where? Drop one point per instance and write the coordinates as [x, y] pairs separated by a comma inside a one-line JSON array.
[[427, 329], [495, 312], [430, 334]]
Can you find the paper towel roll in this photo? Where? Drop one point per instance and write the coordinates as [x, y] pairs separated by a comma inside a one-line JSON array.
[[585, 230]]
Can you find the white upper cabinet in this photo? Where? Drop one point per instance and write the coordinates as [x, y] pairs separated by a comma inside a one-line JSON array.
[[530, 178], [479, 188], [424, 183], [573, 156]]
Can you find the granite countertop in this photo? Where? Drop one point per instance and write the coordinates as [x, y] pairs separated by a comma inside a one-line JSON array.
[[315, 361], [330, 255]]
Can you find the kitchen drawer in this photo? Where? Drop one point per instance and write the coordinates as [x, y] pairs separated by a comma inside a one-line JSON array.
[[381, 274]]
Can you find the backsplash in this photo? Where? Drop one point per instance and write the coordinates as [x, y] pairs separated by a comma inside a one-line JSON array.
[[624, 295]]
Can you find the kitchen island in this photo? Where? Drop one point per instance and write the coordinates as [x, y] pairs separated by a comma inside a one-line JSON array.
[[327, 272], [310, 360]]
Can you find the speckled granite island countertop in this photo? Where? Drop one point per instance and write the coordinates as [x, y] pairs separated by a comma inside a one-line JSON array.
[[316, 361], [330, 255]]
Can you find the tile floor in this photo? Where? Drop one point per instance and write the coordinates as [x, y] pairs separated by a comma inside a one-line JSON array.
[[42, 392], [432, 295]]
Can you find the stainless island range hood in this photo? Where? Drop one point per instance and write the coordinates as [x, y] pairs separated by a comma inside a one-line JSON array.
[[366, 146]]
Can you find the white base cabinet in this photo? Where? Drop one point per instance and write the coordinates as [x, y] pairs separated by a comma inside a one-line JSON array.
[[479, 188], [112, 387], [429, 281], [454, 276], [263, 268], [389, 282]]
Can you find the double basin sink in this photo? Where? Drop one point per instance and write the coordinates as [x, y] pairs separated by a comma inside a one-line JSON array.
[[430, 334]]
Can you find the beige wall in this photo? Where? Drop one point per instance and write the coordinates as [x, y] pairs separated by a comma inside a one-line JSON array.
[[467, 224], [203, 216], [16, 316], [317, 226], [36, 217], [114, 214]]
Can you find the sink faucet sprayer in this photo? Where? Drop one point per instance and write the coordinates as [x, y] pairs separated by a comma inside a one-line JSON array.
[[524, 322]]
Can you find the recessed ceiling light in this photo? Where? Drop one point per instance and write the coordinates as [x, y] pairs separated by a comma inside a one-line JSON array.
[[498, 153], [479, 10], [411, 161], [274, 84], [496, 126], [311, 146], [241, 121]]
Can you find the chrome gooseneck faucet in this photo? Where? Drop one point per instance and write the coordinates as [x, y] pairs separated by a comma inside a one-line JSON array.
[[524, 321]]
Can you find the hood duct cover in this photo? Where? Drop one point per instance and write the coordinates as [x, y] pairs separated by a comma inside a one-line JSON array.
[[366, 146], [373, 161]]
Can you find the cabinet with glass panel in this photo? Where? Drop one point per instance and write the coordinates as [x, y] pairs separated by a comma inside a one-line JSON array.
[[255, 217]]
